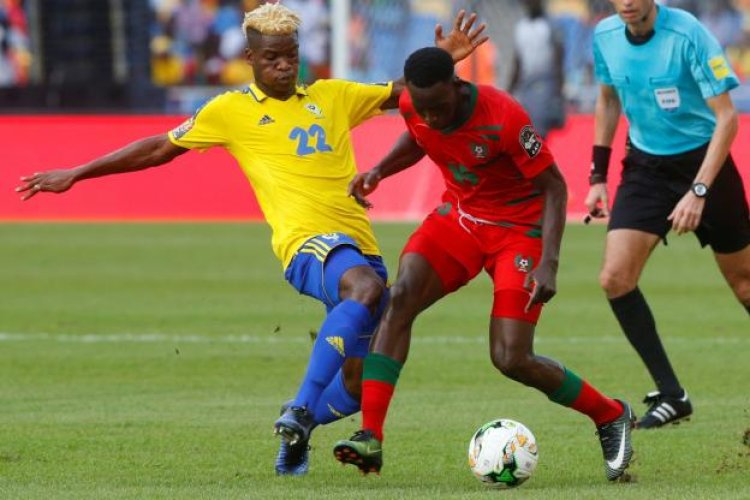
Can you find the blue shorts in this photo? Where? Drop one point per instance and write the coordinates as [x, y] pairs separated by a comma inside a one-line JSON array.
[[319, 264]]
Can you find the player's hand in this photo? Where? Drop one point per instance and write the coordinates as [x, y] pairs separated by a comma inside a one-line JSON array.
[[541, 284], [362, 185], [53, 181], [462, 40], [687, 213], [597, 201]]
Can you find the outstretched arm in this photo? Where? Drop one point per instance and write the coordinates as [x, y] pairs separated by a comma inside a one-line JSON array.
[[460, 43], [405, 153], [606, 119], [542, 281], [139, 155]]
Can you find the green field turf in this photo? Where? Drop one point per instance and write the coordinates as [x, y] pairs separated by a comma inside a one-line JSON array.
[[149, 361]]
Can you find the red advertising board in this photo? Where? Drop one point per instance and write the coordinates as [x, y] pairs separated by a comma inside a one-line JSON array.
[[209, 186]]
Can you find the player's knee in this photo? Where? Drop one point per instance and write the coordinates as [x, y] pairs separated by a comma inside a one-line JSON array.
[[615, 283], [368, 291], [402, 302], [514, 365], [741, 289]]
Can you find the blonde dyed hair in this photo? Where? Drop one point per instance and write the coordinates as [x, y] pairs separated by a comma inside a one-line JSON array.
[[271, 19]]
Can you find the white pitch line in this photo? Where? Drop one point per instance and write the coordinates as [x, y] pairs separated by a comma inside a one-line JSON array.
[[114, 338]]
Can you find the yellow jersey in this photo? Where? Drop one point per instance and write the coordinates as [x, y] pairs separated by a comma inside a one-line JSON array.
[[297, 155]]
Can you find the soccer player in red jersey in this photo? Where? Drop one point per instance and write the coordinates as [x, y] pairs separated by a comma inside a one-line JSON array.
[[503, 211]]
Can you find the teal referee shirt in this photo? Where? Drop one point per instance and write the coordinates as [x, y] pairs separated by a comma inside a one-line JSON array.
[[663, 83]]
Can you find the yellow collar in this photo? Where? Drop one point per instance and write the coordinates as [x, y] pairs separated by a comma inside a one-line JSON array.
[[260, 96]]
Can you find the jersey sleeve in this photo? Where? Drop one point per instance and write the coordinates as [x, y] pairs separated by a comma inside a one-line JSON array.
[[708, 64], [360, 100], [601, 72], [521, 142], [206, 128]]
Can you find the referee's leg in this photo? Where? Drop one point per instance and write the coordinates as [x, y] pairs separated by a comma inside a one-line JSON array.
[[625, 255], [736, 270]]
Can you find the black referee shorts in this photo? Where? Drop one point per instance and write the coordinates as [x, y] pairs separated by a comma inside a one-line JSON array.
[[652, 185]]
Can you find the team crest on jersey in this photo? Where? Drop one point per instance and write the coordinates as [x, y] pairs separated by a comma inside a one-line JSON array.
[[183, 128], [480, 151], [523, 264], [314, 109], [530, 141]]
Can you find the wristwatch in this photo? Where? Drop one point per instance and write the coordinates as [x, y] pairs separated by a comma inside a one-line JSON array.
[[699, 189]]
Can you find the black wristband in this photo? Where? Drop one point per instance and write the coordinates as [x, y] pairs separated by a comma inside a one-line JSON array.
[[599, 164]]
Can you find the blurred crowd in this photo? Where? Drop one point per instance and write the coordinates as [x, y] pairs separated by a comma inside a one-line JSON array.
[[15, 46], [200, 42]]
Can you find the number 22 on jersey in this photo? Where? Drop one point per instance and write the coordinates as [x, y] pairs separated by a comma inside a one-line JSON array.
[[312, 140]]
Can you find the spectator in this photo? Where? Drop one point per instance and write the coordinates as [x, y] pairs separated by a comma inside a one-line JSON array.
[[537, 78], [314, 36], [166, 67], [723, 21]]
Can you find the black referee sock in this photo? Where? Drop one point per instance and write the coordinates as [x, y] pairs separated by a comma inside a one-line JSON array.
[[747, 308], [637, 322]]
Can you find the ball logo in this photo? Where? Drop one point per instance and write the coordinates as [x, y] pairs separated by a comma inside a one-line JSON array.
[[480, 151], [523, 264]]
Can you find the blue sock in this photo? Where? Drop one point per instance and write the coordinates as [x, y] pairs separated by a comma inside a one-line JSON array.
[[337, 338], [335, 402]]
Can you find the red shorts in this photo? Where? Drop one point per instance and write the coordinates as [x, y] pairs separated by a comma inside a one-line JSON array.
[[459, 250]]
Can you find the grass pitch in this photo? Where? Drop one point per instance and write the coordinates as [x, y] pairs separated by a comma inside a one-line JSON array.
[[149, 361]]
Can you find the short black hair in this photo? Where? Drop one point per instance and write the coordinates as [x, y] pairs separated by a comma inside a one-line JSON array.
[[428, 66]]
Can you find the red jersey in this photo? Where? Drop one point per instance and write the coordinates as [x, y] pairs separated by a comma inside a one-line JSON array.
[[487, 160]]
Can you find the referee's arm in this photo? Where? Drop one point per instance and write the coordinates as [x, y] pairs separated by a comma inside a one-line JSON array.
[[686, 215], [606, 116], [606, 119], [726, 130]]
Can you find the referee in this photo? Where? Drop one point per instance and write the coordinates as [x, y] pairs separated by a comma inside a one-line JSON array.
[[669, 75]]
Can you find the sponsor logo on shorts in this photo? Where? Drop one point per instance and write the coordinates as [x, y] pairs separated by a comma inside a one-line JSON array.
[[523, 264], [529, 141], [330, 236]]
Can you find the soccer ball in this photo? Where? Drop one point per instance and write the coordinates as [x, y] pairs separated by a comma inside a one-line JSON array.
[[503, 453]]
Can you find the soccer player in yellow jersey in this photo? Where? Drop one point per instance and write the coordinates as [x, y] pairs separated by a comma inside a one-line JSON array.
[[294, 145]]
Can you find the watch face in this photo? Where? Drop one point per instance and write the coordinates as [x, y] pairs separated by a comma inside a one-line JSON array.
[[700, 189]]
